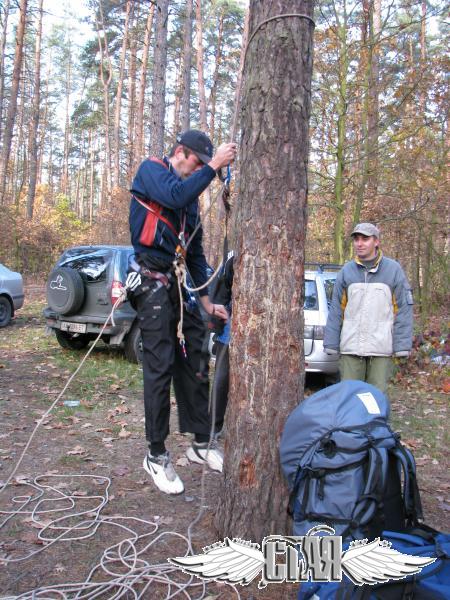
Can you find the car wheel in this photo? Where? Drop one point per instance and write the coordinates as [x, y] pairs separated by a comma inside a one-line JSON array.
[[133, 344], [65, 291], [5, 311], [70, 342]]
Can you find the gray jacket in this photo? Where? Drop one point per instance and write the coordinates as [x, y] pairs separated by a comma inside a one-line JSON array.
[[371, 310]]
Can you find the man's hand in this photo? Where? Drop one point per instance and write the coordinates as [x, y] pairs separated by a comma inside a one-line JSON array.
[[225, 154], [215, 310]]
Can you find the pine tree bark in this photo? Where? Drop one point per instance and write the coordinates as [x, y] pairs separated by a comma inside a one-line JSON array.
[[34, 125], [119, 92], [200, 71], [266, 352], [138, 148], [159, 80], [178, 95], [2, 61], [187, 63], [215, 82], [342, 106], [65, 184], [12, 106], [106, 74], [131, 104]]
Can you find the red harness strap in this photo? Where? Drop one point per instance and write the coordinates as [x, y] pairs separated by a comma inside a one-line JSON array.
[[154, 215]]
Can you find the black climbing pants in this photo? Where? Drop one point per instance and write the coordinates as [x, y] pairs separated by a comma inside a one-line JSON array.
[[163, 361]]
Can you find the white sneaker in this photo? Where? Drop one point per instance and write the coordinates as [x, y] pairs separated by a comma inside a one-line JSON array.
[[163, 473], [201, 453]]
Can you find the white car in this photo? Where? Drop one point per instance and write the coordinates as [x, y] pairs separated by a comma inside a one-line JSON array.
[[11, 294], [319, 284]]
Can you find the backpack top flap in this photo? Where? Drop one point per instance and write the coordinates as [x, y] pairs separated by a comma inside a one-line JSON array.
[[354, 406]]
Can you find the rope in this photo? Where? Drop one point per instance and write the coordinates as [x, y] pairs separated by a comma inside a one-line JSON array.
[[283, 16], [124, 562], [119, 300]]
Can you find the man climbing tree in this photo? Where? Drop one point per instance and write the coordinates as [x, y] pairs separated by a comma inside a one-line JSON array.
[[266, 352]]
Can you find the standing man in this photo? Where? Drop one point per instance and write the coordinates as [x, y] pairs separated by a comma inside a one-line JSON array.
[[371, 314], [223, 293], [163, 216]]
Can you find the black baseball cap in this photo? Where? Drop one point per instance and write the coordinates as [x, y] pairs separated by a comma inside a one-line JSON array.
[[198, 142]]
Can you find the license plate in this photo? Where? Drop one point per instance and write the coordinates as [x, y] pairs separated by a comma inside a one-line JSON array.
[[73, 327]]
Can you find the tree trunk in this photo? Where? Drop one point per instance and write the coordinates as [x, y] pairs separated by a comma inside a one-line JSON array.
[[131, 104], [119, 92], [215, 83], [67, 132], [237, 94], [200, 74], [138, 148], [187, 63], [266, 352], [12, 106], [34, 125], [373, 94], [2, 61], [339, 202], [159, 80], [178, 94], [105, 78], [44, 121]]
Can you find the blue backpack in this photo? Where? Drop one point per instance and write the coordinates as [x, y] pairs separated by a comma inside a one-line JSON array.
[[344, 465], [432, 583]]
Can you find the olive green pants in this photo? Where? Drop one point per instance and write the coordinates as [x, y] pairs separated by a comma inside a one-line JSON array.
[[375, 370]]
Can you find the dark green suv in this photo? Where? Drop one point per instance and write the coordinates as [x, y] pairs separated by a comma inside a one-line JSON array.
[[81, 291]]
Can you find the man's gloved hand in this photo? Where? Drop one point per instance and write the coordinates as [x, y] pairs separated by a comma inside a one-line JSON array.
[[133, 281], [331, 351], [402, 354]]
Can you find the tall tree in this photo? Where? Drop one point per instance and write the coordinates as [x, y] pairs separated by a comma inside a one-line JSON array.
[[159, 80], [106, 73], [200, 73], [138, 150], [187, 64], [4, 22], [119, 93], [266, 351], [14, 92], [34, 124]]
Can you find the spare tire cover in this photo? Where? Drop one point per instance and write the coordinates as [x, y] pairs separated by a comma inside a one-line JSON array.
[[65, 291]]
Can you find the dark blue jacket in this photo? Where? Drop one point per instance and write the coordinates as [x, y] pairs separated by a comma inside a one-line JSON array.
[[178, 197]]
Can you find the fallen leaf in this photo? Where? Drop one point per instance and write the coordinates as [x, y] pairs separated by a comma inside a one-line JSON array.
[[411, 443], [182, 462], [120, 471], [77, 450], [124, 434]]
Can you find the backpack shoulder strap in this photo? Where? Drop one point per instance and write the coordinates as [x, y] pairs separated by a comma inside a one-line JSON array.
[[369, 502], [411, 494]]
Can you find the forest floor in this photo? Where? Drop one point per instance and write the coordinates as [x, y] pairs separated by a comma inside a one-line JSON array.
[[102, 439]]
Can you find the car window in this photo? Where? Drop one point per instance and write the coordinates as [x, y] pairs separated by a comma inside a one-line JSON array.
[[329, 287], [92, 266], [311, 301]]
